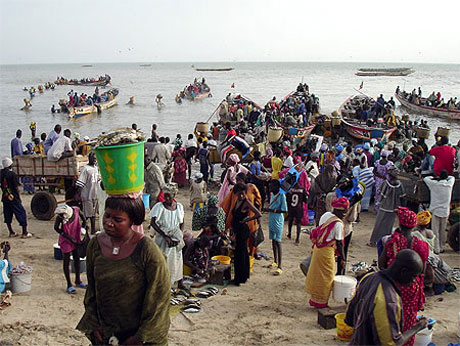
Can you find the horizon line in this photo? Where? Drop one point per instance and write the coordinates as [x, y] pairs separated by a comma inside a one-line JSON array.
[[228, 62]]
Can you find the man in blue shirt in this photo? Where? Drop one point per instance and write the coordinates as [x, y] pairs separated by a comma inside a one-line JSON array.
[[16, 145], [52, 137]]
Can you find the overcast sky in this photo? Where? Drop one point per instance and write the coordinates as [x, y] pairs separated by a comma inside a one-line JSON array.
[[62, 31]]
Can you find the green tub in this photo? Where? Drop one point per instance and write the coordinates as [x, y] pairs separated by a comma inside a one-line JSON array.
[[122, 167]]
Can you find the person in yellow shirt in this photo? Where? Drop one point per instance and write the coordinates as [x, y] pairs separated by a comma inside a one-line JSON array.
[[277, 163], [38, 148]]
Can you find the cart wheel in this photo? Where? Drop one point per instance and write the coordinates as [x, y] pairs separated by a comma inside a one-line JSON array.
[[453, 237], [43, 205]]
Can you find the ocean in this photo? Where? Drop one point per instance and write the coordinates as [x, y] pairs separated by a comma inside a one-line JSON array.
[[332, 82]]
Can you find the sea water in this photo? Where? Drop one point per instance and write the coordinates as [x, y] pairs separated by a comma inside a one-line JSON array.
[[333, 83]]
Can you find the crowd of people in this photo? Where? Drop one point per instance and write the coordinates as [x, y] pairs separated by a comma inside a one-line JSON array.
[[312, 182], [193, 90], [435, 99]]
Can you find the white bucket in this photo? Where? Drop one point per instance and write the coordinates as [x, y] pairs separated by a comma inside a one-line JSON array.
[[82, 265], [21, 282], [423, 337], [344, 287]]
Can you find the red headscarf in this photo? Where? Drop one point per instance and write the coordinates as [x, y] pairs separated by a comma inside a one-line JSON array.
[[407, 218], [341, 203]]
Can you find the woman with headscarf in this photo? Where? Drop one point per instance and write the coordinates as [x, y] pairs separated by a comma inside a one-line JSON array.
[[210, 213], [381, 168], [230, 177], [391, 193], [180, 167], [168, 223], [324, 183], [413, 296], [327, 241]]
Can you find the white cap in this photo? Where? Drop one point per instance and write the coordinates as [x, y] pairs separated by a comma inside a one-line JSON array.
[[7, 162]]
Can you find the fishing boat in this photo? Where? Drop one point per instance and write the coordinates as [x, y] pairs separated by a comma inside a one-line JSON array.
[[423, 109], [222, 69], [101, 81], [196, 91], [377, 72], [235, 98], [75, 112], [354, 127]]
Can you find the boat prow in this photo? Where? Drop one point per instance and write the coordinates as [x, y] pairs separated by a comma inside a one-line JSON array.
[[426, 110]]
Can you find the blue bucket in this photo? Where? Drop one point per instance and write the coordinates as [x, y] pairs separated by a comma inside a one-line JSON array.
[[146, 200], [311, 217]]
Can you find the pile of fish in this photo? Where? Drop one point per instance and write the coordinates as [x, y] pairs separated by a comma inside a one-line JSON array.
[[22, 269], [123, 135]]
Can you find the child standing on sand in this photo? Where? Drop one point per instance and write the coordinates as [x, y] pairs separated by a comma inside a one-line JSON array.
[[277, 207], [198, 189]]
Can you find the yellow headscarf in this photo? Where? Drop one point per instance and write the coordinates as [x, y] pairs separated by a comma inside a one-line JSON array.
[[423, 218]]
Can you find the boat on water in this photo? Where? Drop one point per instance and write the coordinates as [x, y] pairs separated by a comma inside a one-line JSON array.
[[356, 129], [222, 69], [377, 72], [86, 65], [109, 99], [100, 81], [422, 108], [197, 91]]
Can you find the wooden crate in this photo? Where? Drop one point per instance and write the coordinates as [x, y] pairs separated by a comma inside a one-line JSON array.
[[40, 166]]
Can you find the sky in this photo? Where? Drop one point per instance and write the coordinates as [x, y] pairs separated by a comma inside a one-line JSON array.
[[62, 31]]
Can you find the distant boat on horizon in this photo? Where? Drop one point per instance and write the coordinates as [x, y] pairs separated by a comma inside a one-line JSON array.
[[375, 72], [145, 65], [209, 69], [86, 65]]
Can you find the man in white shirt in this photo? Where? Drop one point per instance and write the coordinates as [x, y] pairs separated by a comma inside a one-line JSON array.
[[87, 183], [440, 196], [61, 148], [161, 152]]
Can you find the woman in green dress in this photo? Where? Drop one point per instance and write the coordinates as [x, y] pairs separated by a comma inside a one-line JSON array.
[[128, 294]]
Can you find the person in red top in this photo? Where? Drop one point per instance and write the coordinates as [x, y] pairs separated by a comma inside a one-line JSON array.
[[230, 131], [444, 157]]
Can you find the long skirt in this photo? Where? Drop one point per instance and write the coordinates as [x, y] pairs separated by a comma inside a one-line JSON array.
[[320, 276], [383, 225], [366, 201]]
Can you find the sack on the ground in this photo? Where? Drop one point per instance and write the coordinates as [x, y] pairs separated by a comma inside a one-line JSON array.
[[258, 236], [81, 247], [305, 264]]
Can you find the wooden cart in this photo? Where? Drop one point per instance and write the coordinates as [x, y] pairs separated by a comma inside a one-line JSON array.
[[44, 203]]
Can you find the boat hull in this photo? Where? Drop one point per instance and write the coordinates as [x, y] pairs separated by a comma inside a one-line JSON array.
[[76, 112], [366, 133], [214, 69], [432, 111]]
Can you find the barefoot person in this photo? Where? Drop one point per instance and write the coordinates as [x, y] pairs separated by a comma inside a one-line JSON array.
[[128, 294], [69, 222]]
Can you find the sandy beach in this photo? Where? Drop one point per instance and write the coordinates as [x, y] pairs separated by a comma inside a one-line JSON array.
[[266, 310]]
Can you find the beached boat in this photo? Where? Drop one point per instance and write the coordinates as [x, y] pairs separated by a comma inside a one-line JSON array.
[[223, 69], [360, 130], [377, 72], [103, 81], [75, 112], [433, 111]]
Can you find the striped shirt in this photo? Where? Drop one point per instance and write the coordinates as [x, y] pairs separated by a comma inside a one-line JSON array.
[[375, 311], [366, 176]]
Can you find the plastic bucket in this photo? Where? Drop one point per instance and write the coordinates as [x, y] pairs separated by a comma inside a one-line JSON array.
[[344, 331], [222, 259], [311, 217], [57, 252], [21, 282], [122, 167], [344, 287], [82, 265], [251, 263], [146, 200], [423, 337]]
